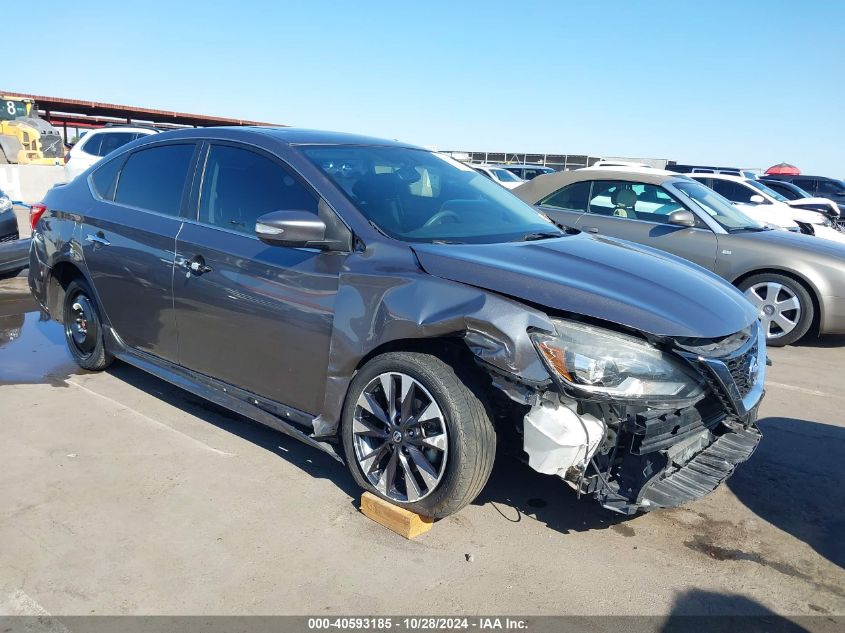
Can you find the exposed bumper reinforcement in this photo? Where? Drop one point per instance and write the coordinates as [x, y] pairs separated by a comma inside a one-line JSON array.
[[704, 472]]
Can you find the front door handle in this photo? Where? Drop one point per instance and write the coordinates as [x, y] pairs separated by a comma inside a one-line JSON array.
[[99, 238], [196, 265], [590, 229]]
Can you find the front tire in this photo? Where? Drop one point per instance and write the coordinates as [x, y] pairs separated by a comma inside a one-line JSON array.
[[84, 328], [785, 305], [415, 432]]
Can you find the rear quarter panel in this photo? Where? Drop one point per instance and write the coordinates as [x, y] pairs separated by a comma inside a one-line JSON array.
[[56, 239]]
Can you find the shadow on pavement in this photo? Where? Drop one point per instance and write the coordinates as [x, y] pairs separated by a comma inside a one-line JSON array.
[[515, 489], [311, 460], [822, 342], [794, 482], [707, 611]]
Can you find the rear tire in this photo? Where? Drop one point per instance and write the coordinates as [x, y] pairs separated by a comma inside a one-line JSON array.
[[399, 452], [786, 307], [84, 327]]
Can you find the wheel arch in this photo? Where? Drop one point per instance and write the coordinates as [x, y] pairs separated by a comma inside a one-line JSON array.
[[61, 274], [451, 349], [447, 348]]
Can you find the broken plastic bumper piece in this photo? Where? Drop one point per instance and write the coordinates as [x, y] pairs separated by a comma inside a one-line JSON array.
[[703, 473]]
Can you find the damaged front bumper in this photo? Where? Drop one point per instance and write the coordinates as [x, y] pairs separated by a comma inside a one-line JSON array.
[[637, 459], [679, 471]]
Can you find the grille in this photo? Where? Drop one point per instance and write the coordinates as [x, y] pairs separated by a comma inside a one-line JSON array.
[[10, 238], [729, 375], [739, 368]]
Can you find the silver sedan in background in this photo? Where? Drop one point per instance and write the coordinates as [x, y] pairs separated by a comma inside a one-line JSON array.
[[797, 281]]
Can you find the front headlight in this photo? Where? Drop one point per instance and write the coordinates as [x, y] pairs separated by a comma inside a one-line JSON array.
[[814, 217], [594, 360]]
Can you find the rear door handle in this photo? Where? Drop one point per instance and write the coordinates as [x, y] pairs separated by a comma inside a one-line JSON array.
[[99, 238]]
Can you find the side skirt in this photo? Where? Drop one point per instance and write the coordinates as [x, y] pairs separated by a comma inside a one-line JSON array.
[[267, 412]]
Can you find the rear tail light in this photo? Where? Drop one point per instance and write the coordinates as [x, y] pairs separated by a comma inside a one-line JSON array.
[[35, 213]]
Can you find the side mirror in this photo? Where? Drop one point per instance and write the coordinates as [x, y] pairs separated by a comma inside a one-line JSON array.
[[757, 199], [682, 218], [291, 228]]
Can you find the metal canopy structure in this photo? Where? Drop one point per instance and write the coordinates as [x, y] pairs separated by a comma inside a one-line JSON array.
[[77, 113]]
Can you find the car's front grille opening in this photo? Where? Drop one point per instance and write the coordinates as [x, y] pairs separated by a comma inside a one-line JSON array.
[[740, 369]]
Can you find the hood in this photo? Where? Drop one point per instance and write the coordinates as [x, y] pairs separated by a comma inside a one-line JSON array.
[[822, 204], [599, 277], [795, 245], [776, 214], [807, 215]]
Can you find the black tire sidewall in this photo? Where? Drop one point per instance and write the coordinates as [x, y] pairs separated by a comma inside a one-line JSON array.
[[807, 307], [452, 400], [99, 357]]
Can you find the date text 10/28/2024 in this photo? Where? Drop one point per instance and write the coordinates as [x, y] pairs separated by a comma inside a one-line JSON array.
[[417, 623]]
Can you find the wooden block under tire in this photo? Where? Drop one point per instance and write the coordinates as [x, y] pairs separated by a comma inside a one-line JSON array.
[[403, 522]]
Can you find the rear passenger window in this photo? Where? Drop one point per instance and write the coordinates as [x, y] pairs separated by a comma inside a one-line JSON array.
[[240, 185], [806, 184], [154, 178], [573, 197], [106, 142], [112, 140], [91, 145], [733, 191], [104, 179], [830, 186]]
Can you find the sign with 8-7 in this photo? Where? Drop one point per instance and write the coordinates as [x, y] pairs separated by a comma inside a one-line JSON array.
[[14, 108]]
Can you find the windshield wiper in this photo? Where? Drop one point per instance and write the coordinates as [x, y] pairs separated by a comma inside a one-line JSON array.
[[540, 235], [755, 229]]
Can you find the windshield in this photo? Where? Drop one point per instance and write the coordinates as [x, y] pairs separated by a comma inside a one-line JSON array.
[[788, 190], [715, 205], [799, 191], [768, 190], [420, 196], [505, 176], [832, 186]]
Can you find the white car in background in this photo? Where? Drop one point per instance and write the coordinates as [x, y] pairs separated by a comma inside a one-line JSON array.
[[97, 143], [761, 203], [500, 175], [614, 164]]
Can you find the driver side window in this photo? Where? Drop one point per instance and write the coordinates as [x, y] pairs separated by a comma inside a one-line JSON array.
[[574, 197], [240, 185], [633, 201], [733, 191]]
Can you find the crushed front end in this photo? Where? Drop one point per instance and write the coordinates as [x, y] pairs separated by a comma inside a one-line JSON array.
[[642, 424]]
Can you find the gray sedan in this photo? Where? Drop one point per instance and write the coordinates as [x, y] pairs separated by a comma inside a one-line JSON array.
[[796, 281]]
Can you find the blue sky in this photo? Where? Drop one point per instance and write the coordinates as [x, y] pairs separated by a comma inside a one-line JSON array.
[[740, 83]]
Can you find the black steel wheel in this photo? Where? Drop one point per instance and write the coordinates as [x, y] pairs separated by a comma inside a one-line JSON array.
[[83, 327]]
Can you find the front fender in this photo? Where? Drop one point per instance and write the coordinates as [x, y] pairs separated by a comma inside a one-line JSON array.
[[399, 301]]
